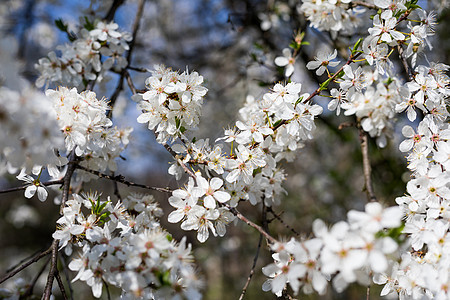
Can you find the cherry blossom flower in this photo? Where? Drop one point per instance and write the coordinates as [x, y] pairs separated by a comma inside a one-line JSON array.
[[322, 61], [35, 186], [286, 61]]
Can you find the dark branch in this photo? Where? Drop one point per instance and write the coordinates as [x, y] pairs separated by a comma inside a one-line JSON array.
[[121, 179], [30, 288], [252, 271], [52, 272], [61, 285], [25, 265], [124, 72], [367, 169], [112, 10], [269, 209], [19, 188]]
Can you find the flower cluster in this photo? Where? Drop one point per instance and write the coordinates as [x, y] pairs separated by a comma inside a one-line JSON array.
[[198, 207], [27, 142], [96, 48], [374, 106], [250, 170], [424, 270], [333, 16], [172, 103], [87, 130], [376, 96], [348, 252], [427, 92], [124, 245]]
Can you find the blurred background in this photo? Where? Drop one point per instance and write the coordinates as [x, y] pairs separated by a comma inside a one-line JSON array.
[[232, 44]]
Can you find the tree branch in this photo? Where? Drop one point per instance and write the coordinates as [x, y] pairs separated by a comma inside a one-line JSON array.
[[367, 169], [66, 181], [404, 62], [52, 272], [66, 275], [61, 285], [361, 3], [19, 188], [241, 217], [25, 265], [124, 73], [112, 10], [30, 288], [252, 271], [121, 179], [269, 209]]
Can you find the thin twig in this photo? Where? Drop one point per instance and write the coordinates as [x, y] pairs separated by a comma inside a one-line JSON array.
[[25, 264], [367, 169], [66, 275], [108, 295], [24, 260], [241, 217], [116, 190], [361, 3], [30, 288], [282, 222], [19, 188], [65, 196], [180, 162], [28, 22], [124, 71], [130, 83], [404, 62], [121, 179], [52, 272], [137, 69], [61, 285], [252, 271], [66, 181]]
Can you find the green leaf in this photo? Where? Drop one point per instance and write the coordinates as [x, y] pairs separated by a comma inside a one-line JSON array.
[[64, 28], [299, 100], [60, 24], [264, 84], [294, 45], [71, 36], [88, 25], [163, 277], [394, 233], [92, 206], [388, 81], [104, 217], [277, 123], [357, 44], [101, 207], [325, 84], [258, 46]]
